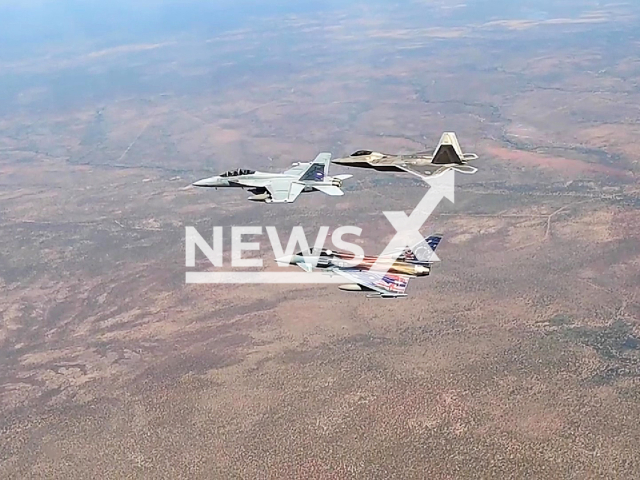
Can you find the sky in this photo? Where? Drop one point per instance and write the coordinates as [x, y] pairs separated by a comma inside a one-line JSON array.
[[29, 24], [32, 26]]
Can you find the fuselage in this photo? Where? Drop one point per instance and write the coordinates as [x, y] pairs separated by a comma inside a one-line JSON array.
[[328, 259], [384, 162], [253, 179], [259, 180], [262, 185]]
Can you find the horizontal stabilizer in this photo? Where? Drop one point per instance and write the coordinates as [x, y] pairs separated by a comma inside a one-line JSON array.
[[464, 168], [343, 177], [468, 169], [331, 190]]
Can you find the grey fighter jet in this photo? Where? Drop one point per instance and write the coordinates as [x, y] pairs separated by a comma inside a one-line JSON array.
[[447, 156], [282, 187]]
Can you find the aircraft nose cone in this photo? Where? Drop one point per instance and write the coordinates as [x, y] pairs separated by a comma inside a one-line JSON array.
[[207, 182], [285, 260]]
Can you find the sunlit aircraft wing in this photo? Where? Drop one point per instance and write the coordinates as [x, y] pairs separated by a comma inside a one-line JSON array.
[[427, 174], [437, 172], [284, 190], [331, 190], [406, 168], [386, 284]]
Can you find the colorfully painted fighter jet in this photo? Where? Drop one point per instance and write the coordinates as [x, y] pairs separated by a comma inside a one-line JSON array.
[[281, 187], [389, 279], [447, 156]]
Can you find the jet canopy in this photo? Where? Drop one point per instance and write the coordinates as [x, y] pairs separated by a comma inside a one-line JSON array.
[[361, 153], [237, 172], [322, 253]]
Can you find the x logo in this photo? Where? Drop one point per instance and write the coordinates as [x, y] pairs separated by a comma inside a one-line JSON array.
[[408, 227]]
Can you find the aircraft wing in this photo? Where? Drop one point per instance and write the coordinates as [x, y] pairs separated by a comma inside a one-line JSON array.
[[406, 168], [437, 172], [386, 284], [284, 190]]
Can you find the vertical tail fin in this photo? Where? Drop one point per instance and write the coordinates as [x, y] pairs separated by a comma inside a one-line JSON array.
[[425, 250], [318, 169], [433, 241], [448, 150]]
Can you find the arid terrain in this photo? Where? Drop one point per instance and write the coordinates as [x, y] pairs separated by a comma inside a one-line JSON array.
[[519, 357]]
